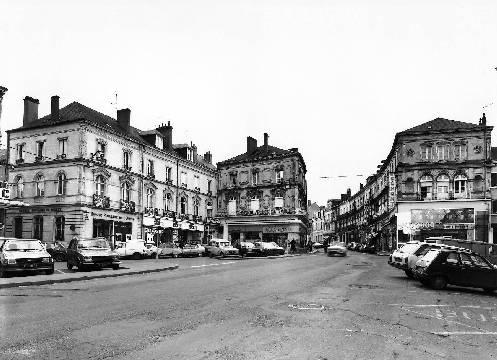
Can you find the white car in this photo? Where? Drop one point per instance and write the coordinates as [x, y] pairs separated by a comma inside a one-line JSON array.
[[268, 248], [131, 249], [337, 248], [220, 247], [151, 250], [169, 249], [405, 257]]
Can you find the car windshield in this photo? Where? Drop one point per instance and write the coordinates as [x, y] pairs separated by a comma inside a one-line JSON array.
[[409, 248], [223, 244], [93, 244], [274, 244], [23, 245]]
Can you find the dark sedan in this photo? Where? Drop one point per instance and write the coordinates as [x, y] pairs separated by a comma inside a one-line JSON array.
[[456, 267]]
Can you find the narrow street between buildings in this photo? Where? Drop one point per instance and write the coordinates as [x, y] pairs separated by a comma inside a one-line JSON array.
[[303, 307]]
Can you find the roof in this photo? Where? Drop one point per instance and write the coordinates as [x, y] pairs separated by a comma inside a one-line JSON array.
[[260, 153], [440, 124]]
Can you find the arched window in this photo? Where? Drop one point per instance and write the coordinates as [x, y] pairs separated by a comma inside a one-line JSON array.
[[478, 183], [40, 185], [20, 187], [61, 184], [426, 187], [100, 185], [150, 197], [125, 191], [183, 205], [460, 186], [167, 201], [409, 186], [442, 187], [196, 203]]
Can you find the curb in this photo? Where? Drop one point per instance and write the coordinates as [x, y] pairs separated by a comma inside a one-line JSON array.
[[82, 278]]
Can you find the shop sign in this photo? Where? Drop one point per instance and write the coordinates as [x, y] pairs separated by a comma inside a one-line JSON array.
[[111, 216], [442, 218], [279, 229], [39, 209], [392, 191], [148, 221]]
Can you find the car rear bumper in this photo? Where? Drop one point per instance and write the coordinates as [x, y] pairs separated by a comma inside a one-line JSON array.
[[31, 267]]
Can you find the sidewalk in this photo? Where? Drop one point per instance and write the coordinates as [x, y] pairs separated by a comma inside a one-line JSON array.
[[63, 275]]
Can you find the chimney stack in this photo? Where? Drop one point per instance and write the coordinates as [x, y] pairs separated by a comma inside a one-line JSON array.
[[251, 144], [266, 138], [361, 186], [167, 132], [55, 108], [123, 118], [30, 110], [349, 193], [194, 151], [208, 157]]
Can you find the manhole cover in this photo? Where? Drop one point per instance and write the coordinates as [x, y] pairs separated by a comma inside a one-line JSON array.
[[306, 307]]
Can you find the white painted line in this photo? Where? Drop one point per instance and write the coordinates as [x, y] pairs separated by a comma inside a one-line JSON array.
[[483, 318], [465, 314], [447, 333], [451, 314], [494, 317], [414, 305], [449, 321], [470, 306], [438, 313], [227, 263]]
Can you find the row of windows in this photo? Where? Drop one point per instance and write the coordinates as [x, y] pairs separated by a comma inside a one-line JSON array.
[[39, 182], [255, 177], [441, 185], [40, 149], [443, 152], [37, 228]]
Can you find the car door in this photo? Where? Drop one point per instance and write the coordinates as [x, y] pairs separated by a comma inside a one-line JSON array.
[[484, 274], [453, 269], [470, 272]]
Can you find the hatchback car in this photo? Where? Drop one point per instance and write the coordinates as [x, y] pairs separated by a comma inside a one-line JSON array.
[[456, 267], [337, 248], [169, 249], [91, 253], [193, 250], [19, 255]]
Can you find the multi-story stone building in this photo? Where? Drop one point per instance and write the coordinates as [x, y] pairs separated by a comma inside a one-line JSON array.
[[86, 174], [262, 194], [435, 181]]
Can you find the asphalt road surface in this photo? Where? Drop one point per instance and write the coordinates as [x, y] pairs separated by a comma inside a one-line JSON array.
[[304, 307]]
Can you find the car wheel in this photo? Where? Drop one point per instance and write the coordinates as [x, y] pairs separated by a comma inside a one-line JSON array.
[[3, 273], [425, 282], [221, 254], [175, 255], [438, 283], [136, 256], [488, 290], [211, 255], [115, 267], [153, 255], [49, 272], [69, 265], [409, 274]]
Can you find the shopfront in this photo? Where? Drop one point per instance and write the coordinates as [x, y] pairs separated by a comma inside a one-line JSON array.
[[114, 226], [464, 220]]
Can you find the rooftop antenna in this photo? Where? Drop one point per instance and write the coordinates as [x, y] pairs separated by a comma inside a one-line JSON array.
[[115, 101]]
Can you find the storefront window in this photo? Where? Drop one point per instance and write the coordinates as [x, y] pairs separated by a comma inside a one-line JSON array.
[[442, 187], [100, 185], [426, 186], [38, 227], [59, 228]]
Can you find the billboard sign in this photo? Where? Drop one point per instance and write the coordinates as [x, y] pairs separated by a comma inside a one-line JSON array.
[[443, 218]]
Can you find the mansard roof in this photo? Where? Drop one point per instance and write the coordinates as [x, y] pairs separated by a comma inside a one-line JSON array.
[[441, 124]]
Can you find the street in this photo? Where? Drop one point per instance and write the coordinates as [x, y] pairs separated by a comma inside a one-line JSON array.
[[302, 307]]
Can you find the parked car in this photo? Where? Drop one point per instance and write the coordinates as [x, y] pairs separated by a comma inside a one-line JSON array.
[[247, 248], [151, 250], [440, 267], [400, 257], [58, 251], [91, 253], [19, 255], [220, 247], [351, 246], [132, 249], [193, 250], [267, 248], [169, 249], [337, 248]]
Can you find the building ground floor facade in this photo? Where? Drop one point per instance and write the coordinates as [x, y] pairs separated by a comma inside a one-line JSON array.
[[283, 230]]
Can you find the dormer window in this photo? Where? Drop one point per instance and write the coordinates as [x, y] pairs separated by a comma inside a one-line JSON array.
[[159, 142], [150, 168], [101, 147], [233, 179], [279, 176], [255, 178]]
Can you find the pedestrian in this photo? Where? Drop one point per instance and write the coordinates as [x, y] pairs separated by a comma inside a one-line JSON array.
[[325, 245], [292, 246]]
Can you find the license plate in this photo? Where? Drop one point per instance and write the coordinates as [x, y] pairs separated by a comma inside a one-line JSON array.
[[30, 266]]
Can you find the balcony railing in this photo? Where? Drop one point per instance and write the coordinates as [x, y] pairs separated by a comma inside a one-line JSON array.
[[169, 182], [128, 206], [100, 201], [442, 196], [150, 176], [61, 156], [263, 212], [127, 168]]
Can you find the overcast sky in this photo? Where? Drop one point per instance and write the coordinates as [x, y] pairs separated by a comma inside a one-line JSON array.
[[337, 79]]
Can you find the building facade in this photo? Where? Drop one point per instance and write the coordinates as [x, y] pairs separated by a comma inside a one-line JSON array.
[[262, 195], [435, 181], [86, 174]]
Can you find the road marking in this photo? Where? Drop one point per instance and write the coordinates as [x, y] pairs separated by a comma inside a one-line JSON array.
[[439, 313], [483, 317], [449, 321], [205, 265], [413, 305], [465, 314], [447, 333]]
